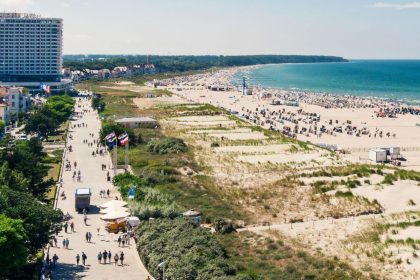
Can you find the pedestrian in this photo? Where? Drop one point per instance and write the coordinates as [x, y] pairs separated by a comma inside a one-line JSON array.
[[90, 236], [66, 226], [67, 243], [109, 256], [99, 257], [119, 241], [64, 243], [55, 259], [116, 258], [87, 236], [108, 192], [85, 220], [123, 241], [122, 258], [55, 241], [105, 255], [84, 257], [72, 226], [77, 259]]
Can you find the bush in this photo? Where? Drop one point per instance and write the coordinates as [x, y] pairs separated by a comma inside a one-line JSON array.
[[344, 194], [190, 252], [215, 144], [167, 146], [125, 181], [222, 226]]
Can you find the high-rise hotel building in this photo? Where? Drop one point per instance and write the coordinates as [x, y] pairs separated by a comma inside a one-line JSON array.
[[30, 48]]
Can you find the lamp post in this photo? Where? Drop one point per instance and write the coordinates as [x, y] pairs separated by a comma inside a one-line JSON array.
[[162, 264]]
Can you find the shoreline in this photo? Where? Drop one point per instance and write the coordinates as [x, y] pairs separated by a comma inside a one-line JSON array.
[[364, 95]]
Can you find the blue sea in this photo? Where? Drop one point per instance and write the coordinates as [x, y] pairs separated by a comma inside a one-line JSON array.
[[394, 79]]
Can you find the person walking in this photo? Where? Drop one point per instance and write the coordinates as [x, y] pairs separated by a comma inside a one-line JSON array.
[[122, 258], [87, 236], [77, 259], [119, 241], [65, 227], [64, 243], [105, 256], [108, 192], [123, 241], [116, 258], [109, 256], [67, 243], [72, 226], [99, 257], [55, 241], [85, 219], [55, 259], [84, 257]]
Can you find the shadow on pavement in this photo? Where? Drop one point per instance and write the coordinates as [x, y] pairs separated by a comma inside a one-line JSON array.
[[93, 209], [69, 271]]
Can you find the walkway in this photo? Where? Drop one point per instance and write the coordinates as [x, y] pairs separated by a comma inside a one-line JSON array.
[[93, 177]]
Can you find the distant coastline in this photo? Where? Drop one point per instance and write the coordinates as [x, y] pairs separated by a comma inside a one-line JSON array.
[[184, 63]]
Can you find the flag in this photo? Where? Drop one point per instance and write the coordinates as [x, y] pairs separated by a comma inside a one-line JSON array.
[[111, 140], [110, 136], [46, 88], [131, 193], [123, 139]]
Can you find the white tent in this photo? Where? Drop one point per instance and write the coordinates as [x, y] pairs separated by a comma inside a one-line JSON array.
[[115, 215], [113, 203], [112, 209]]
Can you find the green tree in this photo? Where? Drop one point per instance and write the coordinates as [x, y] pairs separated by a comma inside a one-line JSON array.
[[61, 106], [44, 122], [26, 157], [39, 221], [13, 254]]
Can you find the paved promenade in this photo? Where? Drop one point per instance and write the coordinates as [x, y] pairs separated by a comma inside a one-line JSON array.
[[93, 177]]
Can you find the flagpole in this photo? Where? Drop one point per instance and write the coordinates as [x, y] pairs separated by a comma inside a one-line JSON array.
[[115, 155], [126, 155]]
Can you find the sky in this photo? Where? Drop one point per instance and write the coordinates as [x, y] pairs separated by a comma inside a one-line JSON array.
[[355, 29]]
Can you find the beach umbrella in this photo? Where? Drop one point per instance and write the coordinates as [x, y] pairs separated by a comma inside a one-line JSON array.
[[112, 209], [115, 215], [113, 203]]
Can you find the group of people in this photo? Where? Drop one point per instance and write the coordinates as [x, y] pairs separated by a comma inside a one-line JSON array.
[[107, 255], [104, 194], [66, 226], [84, 258], [124, 239], [88, 236]]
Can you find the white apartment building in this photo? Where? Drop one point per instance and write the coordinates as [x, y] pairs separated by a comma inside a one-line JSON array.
[[18, 101], [30, 49]]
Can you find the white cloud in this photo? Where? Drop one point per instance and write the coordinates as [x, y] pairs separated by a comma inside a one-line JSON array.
[[15, 3], [382, 5]]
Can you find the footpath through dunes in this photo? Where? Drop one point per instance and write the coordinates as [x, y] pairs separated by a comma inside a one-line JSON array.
[[92, 176]]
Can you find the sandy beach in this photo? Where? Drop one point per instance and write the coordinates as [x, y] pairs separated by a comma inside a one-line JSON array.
[[353, 124]]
